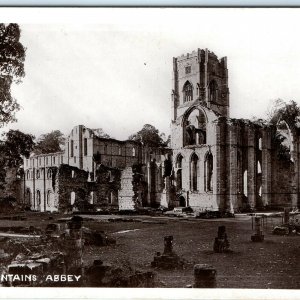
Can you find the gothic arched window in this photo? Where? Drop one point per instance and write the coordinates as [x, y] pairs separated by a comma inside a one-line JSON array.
[[187, 92], [194, 128], [208, 172], [38, 198], [179, 172], [194, 169], [213, 91]]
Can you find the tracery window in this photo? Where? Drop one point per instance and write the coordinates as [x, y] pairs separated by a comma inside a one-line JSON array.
[[187, 92]]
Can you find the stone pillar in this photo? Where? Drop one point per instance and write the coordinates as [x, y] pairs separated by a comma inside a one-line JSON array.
[[204, 276], [219, 167], [149, 183], [252, 168], [74, 244], [266, 167], [233, 179]]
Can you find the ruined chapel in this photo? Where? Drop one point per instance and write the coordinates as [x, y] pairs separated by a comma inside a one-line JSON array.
[[214, 162]]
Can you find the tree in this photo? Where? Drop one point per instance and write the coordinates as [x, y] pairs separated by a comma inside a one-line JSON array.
[[50, 142], [12, 57], [283, 111], [14, 145], [99, 132], [150, 137]]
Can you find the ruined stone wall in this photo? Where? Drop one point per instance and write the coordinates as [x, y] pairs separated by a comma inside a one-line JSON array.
[[70, 187], [39, 190], [127, 199], [283, 184], [106, 187]]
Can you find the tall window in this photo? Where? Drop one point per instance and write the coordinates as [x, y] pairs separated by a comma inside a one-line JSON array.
[[208, 175], [38, 198], [49, 198], [72, 148], [179, 172], [213, 90], [85, 146], [133, 151], [194, 168], [73, 197], [187, 92]]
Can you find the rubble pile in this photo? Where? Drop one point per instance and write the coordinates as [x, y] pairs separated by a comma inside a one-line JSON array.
[[105, 275]]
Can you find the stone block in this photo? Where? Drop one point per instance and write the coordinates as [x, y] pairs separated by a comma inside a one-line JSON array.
[[204, 276]]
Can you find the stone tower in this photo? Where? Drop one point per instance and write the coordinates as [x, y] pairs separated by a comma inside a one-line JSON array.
[[200, 78], [200, 99]]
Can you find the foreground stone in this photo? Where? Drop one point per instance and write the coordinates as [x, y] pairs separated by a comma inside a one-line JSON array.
[[106, 275], [204, 276], [221, 243], [258, 236], [169, 259]]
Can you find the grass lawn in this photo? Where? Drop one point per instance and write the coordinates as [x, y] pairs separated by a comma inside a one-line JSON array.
[[272, 264]]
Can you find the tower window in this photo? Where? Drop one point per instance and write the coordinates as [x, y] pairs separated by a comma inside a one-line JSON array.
[[72, 148], [187, 92], [213, 91], [85, 146], [188, 69]]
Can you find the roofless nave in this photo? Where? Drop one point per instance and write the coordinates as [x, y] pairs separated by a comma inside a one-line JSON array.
[[214, 162]]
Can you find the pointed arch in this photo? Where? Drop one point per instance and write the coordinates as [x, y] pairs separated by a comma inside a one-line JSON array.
[[179, 159], [194, 127], [194, 172], [187, 91], [208, 172], [179, 171]]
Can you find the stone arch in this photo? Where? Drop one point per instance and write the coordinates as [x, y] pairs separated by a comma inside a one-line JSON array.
[[194, 126], [208, 172], [286, 138], [179, 171], [50, 199], [179, 159], [194, 172]]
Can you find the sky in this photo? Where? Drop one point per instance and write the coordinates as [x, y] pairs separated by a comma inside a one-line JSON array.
[[111, 68]]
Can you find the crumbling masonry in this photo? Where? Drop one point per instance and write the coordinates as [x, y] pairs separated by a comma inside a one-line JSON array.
[[214, 162]]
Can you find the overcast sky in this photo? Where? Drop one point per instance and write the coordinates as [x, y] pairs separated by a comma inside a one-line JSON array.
[[112, 68]]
